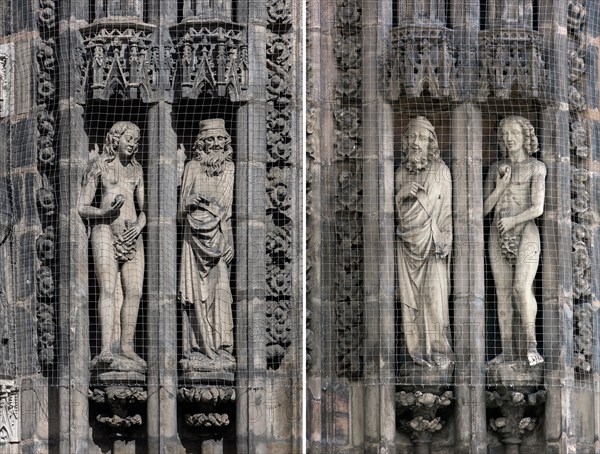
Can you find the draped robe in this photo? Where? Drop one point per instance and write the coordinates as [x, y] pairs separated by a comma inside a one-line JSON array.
[[424, 225], [204, 279]]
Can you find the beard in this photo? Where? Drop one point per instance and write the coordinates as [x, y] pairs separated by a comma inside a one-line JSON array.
[[212, 163], [417, 160]]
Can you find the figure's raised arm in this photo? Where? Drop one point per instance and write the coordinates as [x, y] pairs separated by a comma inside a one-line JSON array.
[[88, 192]]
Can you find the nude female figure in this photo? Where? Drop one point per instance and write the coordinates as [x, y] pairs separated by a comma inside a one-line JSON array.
[[117, 246]]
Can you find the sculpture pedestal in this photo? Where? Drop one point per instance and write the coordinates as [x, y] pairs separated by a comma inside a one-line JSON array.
[[515, 375], [119, 370], [412, 377], [515, 400], [199, 369]]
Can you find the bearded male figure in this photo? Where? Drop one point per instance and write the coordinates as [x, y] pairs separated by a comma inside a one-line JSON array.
[[205, 208], [424, 241]]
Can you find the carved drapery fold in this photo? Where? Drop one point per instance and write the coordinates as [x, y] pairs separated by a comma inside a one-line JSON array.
[[214, 60]]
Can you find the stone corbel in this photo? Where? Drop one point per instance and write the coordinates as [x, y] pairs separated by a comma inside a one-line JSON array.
[[118, 408], [418, 415], [517, 414], [207, 408]]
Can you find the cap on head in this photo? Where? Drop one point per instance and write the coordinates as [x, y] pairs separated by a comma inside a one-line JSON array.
[[212, 125], [422, 122]]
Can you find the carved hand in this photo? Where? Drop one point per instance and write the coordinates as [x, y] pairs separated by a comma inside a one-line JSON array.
[[228, 255], [442, 250], [503, 177], [132, 232], [114, 209], [506, 224], [410, 191]]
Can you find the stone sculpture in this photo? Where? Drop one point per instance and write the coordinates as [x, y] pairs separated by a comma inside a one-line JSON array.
[[117, 245], [424, 242], [515, 189], [205, 209]]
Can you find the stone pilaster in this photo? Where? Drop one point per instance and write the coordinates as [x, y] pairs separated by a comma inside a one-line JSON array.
[[250, 240], [556, 234], [378, 234]]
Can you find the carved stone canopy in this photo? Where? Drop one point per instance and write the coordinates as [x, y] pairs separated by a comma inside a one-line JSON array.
[[128, 60], [213, 58]]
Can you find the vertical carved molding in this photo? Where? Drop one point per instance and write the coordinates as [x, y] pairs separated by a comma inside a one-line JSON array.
[[581, 216], [46, 70], [280, 157], [349, 319]]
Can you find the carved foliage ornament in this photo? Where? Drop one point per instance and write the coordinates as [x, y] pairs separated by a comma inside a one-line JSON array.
[[214, 62], [46, 68], [128, 62], [349, 320], [279, 191], [580, 193], [209, 402]]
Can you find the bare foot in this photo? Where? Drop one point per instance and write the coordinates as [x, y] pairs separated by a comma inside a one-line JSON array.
[[127, 352], [533, 357], [106, 356], [420, 361], [442, 361], [226, 356]]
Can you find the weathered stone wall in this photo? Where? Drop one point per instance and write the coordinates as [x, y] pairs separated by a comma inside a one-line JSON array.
[[373, 67], [69, 70]]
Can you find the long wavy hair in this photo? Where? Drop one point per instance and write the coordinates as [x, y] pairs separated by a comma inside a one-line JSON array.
[[530, 141], [109, 150]]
